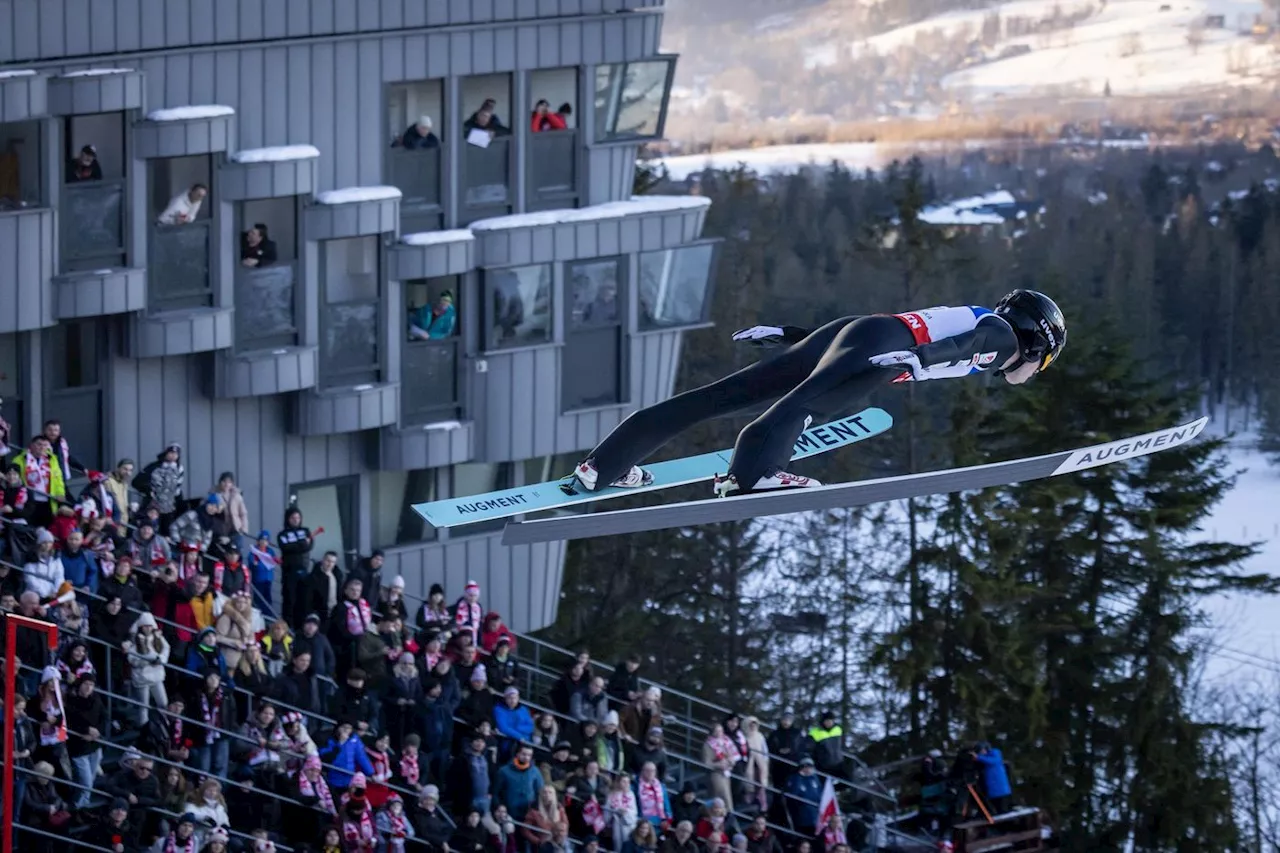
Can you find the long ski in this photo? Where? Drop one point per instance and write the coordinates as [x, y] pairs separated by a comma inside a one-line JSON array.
[[859, 493], [567, 491]]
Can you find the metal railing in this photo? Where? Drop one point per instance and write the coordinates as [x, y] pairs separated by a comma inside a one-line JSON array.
[[429, 381], [553, 166], [486, 173], [178, 266], [266, 307], [92, 217], [416, 172]]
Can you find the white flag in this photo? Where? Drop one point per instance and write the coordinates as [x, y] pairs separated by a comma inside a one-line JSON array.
[[827, 806]]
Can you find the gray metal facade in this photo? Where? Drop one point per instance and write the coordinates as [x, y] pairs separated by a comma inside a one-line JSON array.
[[300, 377]]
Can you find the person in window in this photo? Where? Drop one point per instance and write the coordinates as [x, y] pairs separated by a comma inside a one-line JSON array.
[[434, 322], [420, 135], [85, 166], [485, 119], [544, 120], [564, 113], [184, 206], [256, 250]]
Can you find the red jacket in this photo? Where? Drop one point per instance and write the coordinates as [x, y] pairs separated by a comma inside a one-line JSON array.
[[550, 121], [489, 639]]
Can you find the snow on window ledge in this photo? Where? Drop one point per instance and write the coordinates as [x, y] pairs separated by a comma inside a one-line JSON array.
[[21, 72], [349, 195], [98, 72], [634, 206], [435, 238], [190, 113], [275, 154]]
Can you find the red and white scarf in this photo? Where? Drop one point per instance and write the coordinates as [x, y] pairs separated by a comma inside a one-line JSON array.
[[318, 789], [468, 616], [175, 734], [381, 765], [359, 832], [409, 769], [723, 748], [39, 473], [399, 827], [211, 713], [593, 815], [69, 674], [173, 845], [358, 616], [652, 802]]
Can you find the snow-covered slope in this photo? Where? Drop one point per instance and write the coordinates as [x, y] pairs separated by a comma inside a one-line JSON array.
[[957, 22], [1136, 48]]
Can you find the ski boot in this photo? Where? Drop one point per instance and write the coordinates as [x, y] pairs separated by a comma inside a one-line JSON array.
[[633, 479], [726, 484]]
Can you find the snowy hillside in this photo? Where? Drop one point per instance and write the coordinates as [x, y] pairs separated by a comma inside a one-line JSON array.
[[1140, 47], [1135, 47]]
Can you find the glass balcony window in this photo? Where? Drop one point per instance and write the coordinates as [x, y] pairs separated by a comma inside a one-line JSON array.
[[266, 307], [518, 307], [21, 180], [178, 267], [350, 318], [675, 286], [486, 149], [631, 99], [415, 159], [92, 218], [429, 358], [593, 361], [553, 168], [487, 173]]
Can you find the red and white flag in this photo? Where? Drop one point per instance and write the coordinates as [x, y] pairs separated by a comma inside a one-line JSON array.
[[829, 808]]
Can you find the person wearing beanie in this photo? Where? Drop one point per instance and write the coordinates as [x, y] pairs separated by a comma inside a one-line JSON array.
[[391, 601], [346, 755], [494, 631], [368, 570], [430, 822], [478, 700], [394, 825], [87, 725], [434, 616], [405, 698], [182, 838], [357, 822], [513, 720], [436, 723], [468, 615], [162, 482], [114, 831], [43, 572], [263, 561]]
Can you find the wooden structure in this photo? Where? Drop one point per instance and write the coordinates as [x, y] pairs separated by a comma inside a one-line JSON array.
[[1018, 831]]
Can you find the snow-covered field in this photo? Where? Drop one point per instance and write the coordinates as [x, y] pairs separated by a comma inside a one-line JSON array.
[[1136, 48], [782, 159], [1141, 47]]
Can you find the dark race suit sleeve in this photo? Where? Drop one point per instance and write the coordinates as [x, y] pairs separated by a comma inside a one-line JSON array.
[[992, 334]]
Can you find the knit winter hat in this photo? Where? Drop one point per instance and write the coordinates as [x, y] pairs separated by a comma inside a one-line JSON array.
[[397, 582], [432, 792], [43, 536], [358, 781], [471, 587], [479, 675], [264, 534]]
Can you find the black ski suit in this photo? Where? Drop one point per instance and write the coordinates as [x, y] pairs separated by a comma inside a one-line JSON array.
[[824, 373]]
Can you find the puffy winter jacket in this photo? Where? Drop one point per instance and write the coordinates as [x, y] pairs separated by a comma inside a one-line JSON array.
[[513, 722], [146, 666], [346, 757]]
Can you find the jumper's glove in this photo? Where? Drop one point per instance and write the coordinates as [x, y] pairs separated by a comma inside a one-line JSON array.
[[760, 335], [907, 360]]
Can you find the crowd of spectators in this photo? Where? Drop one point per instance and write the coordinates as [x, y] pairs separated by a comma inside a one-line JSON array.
[[215, 689]]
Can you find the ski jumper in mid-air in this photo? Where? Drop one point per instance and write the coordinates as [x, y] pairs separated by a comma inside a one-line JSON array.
[[826, 372]]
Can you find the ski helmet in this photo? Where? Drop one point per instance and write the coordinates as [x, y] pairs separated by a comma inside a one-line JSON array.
[[1038, 323]]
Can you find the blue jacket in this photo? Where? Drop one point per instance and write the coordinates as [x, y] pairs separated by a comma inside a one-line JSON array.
[[666, 799], [348, 756], [517, 789], [995, 779], [513, 723], [437, 725], [81, 569], [807, 791], [263, 571]]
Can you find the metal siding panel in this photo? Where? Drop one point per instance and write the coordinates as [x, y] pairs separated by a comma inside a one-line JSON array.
[[346, 95], [298, 119], [226, 82], [78, 42], [211, 434], [482, 51], [593, 52], [497, 384], [549, 46], [177, 22], [344, 16], [524, 403], [298, 18], [151, 24], [249, 106], [26, 30], [571, 44], [323, 17], [177, 79], [415, 59], [414, 14], [460, 54], [275, 16], [250, 20], [368, 16], [7, 31], [203, 86], [203, 25], [52, 35], [438, 56], [323, 117], [275, 103], [153, 75], [392, 60], [504, 49], [368, 109], [633, 36], [545, 388], [226, 18], [526, 47], [504, 10]]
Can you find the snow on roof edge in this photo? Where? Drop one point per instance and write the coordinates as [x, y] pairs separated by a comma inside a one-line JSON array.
[[608, 210], [191, 112], [433, 238], [98, 72], [349, 195], [21, 72], [275, 154]]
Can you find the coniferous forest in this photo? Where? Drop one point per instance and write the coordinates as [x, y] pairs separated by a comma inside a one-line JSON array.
[[1064, 619]]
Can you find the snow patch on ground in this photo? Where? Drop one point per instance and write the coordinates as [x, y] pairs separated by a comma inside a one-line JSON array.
[[348, 195], [190, 113], [97, 72], [636, 205], [21, 72], [276, 154], [435, 238]]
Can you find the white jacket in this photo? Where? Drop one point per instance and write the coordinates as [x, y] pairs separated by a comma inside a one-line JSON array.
[[147, 667], [44, 576]]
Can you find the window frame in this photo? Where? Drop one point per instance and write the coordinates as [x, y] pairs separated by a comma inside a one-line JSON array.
[[619, 326], [600, 135], [119, 257], [643, 327], [432, 212], [378, 367], [40, 147], [56, 351], [486, 316], [293, 337]]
